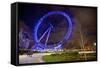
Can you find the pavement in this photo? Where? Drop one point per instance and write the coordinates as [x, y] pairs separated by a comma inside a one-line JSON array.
[[35, 58]]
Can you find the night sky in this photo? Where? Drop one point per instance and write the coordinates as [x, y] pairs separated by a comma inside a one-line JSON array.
[[84, 21]]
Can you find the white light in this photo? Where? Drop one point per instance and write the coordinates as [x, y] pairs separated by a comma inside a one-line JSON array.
[[94, 43]]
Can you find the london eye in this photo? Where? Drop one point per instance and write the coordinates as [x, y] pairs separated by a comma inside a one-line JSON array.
[[52, 30]]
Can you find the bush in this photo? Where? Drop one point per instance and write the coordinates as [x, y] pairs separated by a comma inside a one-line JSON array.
[[56, 54], [71, 53]]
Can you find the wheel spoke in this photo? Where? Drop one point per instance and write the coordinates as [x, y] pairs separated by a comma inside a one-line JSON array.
[[43, 34], [47, 36]]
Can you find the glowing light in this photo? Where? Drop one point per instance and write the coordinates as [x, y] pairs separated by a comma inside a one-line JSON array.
[[67, 35], [94, 44]]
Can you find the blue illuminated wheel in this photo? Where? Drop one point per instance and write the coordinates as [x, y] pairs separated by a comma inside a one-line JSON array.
[[52, 30]]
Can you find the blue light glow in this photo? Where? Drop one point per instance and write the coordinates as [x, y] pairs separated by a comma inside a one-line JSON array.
[[67, 35]]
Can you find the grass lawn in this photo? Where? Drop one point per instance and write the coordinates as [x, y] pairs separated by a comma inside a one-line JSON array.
[[67, 56]]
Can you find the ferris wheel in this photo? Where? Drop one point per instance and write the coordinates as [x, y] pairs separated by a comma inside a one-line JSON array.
[[52, 30]]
